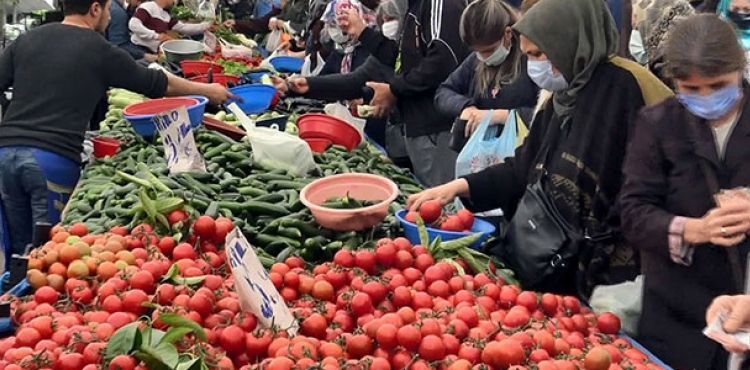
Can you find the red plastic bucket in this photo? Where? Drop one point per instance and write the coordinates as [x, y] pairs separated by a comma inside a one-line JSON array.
[[192, 68], [105, 146], [218, 78], [318, 145], [154, 106], [323, 126]]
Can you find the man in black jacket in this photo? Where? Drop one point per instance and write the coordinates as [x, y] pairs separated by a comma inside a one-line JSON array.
[[430, 50]]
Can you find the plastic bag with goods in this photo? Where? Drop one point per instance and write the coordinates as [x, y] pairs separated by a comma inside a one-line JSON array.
[[624, 300], [485, 149], [235, 51], [308, 71], [276, 148], [206, 10], [343, 113]]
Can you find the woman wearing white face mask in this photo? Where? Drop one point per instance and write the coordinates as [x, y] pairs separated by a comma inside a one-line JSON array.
[[575, 148], [652, 21], [349, 53], [494, 76]]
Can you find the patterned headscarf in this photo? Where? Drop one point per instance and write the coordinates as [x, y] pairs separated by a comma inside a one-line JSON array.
[[654, 18], [337, 8]]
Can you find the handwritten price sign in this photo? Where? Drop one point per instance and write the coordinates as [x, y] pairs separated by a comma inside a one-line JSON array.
[[254, 287], [179, 144]]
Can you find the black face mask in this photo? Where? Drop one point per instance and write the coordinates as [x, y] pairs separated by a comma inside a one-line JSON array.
[[741, 20]]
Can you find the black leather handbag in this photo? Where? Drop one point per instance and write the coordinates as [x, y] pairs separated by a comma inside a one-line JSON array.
[[539, 245]]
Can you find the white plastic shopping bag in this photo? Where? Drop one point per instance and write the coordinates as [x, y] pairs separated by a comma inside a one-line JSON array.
[[624, 300], [273, 40], [484, 149], [307, 70], [235, 51], [210, 41], [275, 147], [343, 113]]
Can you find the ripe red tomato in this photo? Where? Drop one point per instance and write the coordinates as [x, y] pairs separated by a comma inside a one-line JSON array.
[[27, 337], [503, 354], [132, 301], [315, 326], [223, 227], [359, 346], [361, 304], [177, 216], [572, 304], [205, 227], [466, 217], [184, 251], [549, 304], [409, 337], [430, 211], [597, 359], [73, 361], [365, 260], [432, 348], [385, 254], [232, 339], [528, 300], [517, 316], [387, 336], [608, 323], [46, 294], [122, 362], [452, 223], [411, 216]]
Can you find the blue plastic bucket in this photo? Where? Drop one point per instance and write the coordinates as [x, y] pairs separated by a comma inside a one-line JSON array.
[[412, 232], [254, 98], [286, 64]]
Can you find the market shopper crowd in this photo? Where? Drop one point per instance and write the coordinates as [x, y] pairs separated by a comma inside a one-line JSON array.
[[635, 163]]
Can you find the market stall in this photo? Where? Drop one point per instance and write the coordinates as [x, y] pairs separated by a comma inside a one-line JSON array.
[[241, 260]]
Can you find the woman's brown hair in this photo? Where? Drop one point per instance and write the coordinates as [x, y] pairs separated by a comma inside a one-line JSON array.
[[483, 23], [703, 44]]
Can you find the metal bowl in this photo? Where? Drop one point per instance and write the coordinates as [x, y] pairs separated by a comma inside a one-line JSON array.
[[179, 50]]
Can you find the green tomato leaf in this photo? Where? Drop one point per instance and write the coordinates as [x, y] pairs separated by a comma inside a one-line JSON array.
[[175, 334], [124, 341], [178, 321], [192, 364], [167, 354], [172, 273], [152, 362], [188, 281]]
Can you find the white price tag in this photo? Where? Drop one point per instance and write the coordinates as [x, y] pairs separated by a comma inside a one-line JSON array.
[[179, 144], [254, 287]]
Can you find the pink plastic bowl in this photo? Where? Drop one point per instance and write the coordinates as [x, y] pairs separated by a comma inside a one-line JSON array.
[[358, 185]]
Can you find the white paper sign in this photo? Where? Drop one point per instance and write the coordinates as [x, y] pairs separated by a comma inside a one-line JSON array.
[[179, 144], [256, 292]]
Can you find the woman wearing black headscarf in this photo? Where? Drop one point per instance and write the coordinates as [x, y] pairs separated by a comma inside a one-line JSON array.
[[570, 46]]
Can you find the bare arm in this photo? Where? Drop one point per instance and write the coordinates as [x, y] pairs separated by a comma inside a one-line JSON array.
[[216, 93]]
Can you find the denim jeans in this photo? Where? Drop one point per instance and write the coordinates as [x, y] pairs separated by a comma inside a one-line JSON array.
[[34, 185]]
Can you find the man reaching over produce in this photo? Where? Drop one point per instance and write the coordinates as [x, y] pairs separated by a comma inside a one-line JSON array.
[[42, 131], [152, 25]]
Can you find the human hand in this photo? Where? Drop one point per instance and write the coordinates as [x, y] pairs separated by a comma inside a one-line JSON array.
[[230, 23], [737, 309], [296, 84], [164, 37], [472, 116], [383, 99], [272, 23], [218, 94], [351, 23], [725, 226], [443, 194], [150, 57]]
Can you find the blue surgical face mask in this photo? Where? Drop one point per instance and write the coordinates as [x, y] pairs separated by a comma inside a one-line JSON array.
[[636, 48], [540, 71], [712, 106]]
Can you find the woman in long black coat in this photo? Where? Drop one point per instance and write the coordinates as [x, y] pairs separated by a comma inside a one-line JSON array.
[[691, 249]]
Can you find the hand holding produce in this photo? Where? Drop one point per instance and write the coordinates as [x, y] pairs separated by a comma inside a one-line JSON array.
[[432, 214], [444, 194], [726, 226]]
